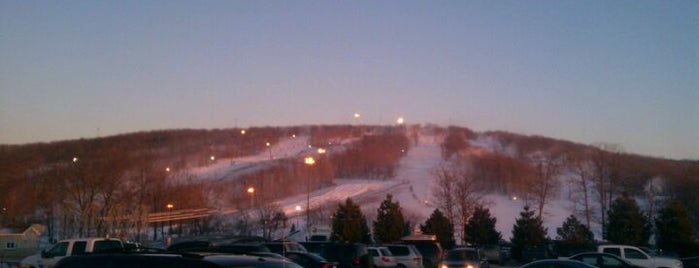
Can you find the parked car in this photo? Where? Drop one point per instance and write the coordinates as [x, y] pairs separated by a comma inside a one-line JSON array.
[[69, 247], [347, 255], [464, 257], [429, 248], [167, 260], [280, 247], [602, 260], [186, 245], [540, 252], [690, 262], [639, 257], [557, 263], [238, 249], [244, 248], [493, 253], [382, 257], [308, 260], [406, 256], [313, 246]]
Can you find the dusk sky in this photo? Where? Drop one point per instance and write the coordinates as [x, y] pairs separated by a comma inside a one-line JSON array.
[[623, 72]]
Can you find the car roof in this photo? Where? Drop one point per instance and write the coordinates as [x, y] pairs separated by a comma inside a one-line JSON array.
[[574, 263], [248, 261], [132, 261], [594, 253], [164, 260], [464, 248]]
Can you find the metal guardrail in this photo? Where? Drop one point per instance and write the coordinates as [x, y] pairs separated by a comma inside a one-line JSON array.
[[174, 215], [184, 214]]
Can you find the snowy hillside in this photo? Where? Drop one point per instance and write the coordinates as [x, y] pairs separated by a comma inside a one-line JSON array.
[[412, 186]]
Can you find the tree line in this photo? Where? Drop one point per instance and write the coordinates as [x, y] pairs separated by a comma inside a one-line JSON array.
[[627, 225]]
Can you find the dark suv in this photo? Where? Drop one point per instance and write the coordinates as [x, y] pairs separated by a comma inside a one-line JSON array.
[[347, 255], [430, 250]]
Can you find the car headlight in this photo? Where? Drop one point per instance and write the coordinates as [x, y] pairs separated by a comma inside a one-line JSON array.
[[469, 266]]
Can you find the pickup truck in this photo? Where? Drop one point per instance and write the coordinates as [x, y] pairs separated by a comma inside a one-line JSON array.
[[49, 258], [638, 257]]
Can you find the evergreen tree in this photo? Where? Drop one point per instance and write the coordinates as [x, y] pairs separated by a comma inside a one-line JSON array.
[[574, 237], [626, 223], [438, 224], [528, 232], [480, 229], [389, 223], [349, 224], [675, 228], [407, 228]]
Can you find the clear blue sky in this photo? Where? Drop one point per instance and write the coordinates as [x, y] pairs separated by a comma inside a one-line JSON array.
[[624, 72]]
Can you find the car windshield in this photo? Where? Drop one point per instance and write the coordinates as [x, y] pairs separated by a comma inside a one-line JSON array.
[[462, 255], [107, 245]]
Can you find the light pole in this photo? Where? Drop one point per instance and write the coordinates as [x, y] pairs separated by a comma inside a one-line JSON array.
[[169, 207], [309, 161], [251, 191], [298, 213], [269, 149]]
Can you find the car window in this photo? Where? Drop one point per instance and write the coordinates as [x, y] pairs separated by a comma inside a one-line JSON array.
[[399, 251], [106, 245], [427, 248], [300, 259], [611, 262], [600, 261], [59, 249], [592, 260], [373, 252], [297, 247], [462, 255], [278, 248], [634, 254], [385, 252], [79, 247], [615, 251]]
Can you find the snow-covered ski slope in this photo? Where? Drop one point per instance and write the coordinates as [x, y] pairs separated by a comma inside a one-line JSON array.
[[413, 185], [228, 168]]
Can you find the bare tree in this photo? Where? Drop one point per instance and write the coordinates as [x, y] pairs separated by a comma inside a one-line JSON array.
[[458, 190], [545, 182], [271, 218], [581, 169], [445, 187], [604, 163]]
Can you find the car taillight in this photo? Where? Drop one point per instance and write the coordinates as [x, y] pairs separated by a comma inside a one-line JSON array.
[[417, 260], [356, 261], [325, 265], [384, 259]]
